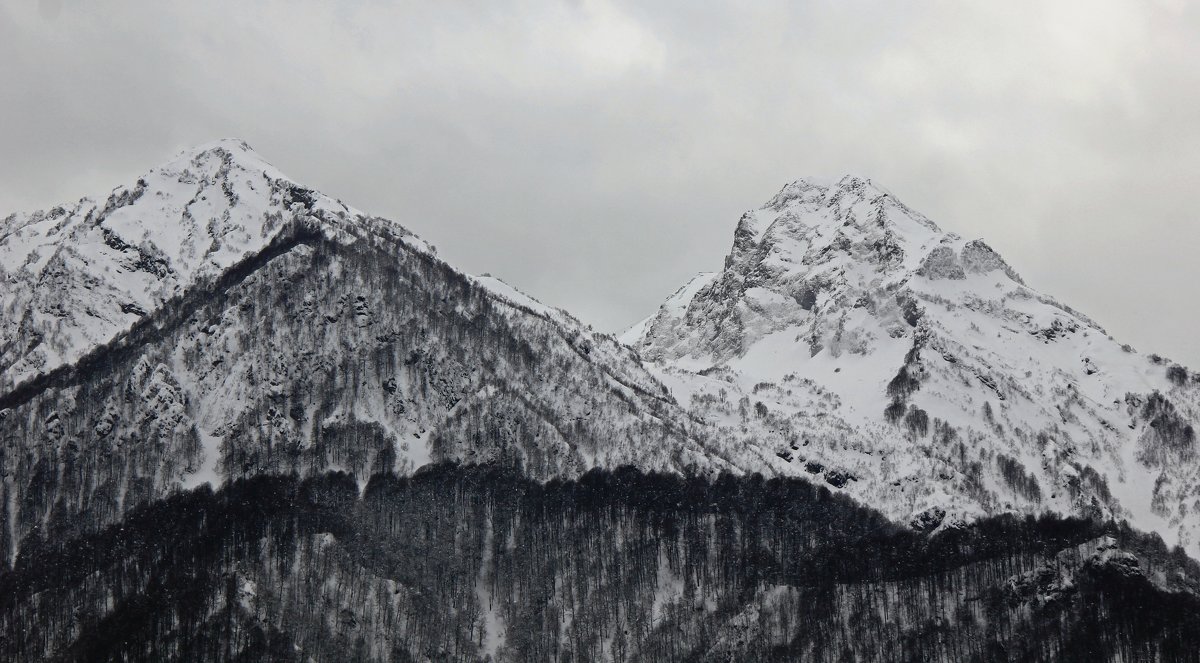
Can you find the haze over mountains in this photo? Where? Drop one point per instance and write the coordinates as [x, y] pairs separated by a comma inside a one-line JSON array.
[[217, 323]]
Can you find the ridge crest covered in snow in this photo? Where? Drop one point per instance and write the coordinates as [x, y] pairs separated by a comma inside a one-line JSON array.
[[856, 341], [215, 319], [74, 276]]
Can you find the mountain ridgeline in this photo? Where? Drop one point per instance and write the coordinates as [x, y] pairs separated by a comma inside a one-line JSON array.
[[240, 420], [340, 344], [848, 332]]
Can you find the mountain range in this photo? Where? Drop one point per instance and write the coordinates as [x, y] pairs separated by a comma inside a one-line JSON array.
[[241, 420]]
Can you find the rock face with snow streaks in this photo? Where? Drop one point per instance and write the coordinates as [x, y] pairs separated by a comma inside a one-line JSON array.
[[858, 342], [284, 333]]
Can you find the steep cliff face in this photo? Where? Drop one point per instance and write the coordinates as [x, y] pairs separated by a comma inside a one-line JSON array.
[[334, 340], [461, 564], [854, 340]]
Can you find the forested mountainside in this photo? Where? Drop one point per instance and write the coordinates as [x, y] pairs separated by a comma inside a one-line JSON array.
[[242, 421], [475, 563], [342, 342], [853, 338]]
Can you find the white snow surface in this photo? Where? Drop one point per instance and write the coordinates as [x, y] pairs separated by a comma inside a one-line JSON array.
[[509, 294], [832, 287], [75, 276], [83, 277]]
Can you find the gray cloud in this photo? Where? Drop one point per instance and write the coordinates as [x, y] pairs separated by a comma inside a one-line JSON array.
[[596, 154]]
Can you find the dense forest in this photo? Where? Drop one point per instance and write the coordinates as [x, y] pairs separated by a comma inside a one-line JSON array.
[[471, 563]]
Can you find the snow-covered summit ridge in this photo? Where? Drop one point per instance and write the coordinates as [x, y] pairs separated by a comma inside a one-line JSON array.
[[74, 276], [812, 192], [817, 243], [216, 320], [918, 371]]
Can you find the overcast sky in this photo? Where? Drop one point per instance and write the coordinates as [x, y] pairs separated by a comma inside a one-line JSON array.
[[597, 154]]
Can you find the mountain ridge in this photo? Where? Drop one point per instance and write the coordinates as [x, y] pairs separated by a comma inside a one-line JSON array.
[[940, 339], [240, 420], [846, 337], [75, 275], [338, 341]]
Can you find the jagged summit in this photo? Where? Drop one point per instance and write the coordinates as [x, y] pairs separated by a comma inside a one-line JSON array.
[[222, 148], [230, 144], [842, 194], [917, 370], [823, 185], [811, 250]]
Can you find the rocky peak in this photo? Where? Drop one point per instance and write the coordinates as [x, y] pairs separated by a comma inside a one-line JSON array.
[[883, 348], [815, 221], [74, 276], [814, 252]]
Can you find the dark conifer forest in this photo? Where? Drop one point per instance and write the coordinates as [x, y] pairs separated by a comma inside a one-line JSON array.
[[474, 563]]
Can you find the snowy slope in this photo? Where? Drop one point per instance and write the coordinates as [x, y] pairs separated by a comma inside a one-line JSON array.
[[852, 339], [218, 320], [76, 275]]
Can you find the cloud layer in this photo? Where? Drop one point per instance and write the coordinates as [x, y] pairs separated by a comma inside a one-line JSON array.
[[596, 154]]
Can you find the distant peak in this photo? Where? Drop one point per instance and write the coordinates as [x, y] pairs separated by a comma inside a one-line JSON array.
[[850, 181], [218, 156], [816, 188], [232, 145], [842, 181], [815, 181]]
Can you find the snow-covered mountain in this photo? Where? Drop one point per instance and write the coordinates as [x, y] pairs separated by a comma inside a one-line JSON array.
[[76, 275], [915, 370], [225, 399], [217, 320]]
